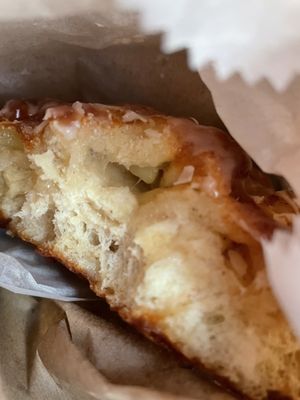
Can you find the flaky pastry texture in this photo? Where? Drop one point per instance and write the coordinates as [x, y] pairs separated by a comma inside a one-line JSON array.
[[163, 217]]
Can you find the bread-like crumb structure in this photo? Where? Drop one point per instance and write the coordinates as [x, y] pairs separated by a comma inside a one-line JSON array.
[[163, 217]]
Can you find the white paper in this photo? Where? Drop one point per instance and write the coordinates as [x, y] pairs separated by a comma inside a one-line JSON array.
[[264, 122], [283, 260], [258, 39], [24, 271]]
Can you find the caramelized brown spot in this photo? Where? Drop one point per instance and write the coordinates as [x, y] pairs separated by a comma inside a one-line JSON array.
[[238, 260], [275, 395]]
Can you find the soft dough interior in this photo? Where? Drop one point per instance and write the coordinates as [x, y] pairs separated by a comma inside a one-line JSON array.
[[161, 255]]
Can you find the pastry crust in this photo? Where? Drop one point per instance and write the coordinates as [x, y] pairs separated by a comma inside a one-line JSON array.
[[163, 217]]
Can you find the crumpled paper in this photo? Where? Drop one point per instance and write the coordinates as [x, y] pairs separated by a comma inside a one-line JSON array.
[[265, 122], [24, 271], [62, 351], [282, 256], [257, 39]]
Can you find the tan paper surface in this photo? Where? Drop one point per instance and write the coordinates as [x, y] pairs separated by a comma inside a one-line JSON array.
[[89, 52], [61, 351]]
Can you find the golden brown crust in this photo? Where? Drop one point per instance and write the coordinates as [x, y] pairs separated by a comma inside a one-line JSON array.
[[211, 152], [150, 331]]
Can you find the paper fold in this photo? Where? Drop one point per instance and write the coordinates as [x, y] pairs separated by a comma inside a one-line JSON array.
[[73, 353], [24, 271]]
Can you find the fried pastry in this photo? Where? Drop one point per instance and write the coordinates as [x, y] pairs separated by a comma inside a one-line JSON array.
[[164, 218]]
